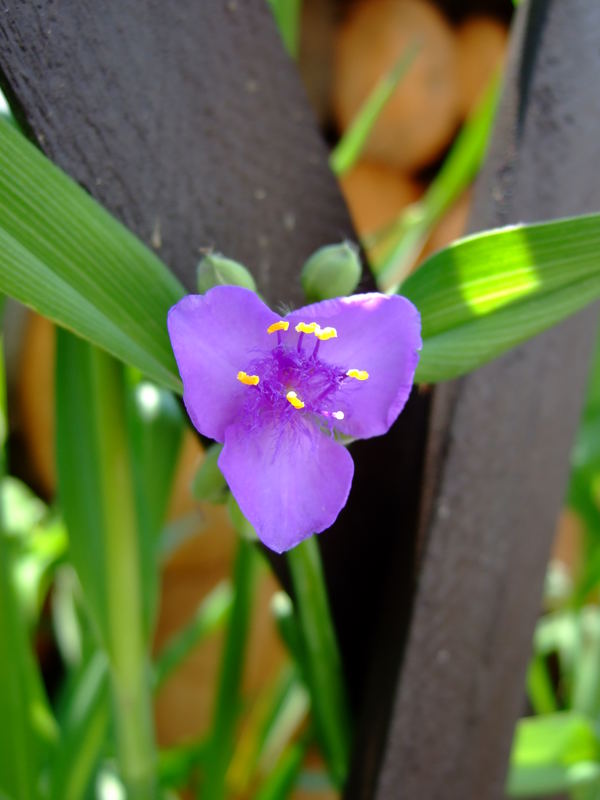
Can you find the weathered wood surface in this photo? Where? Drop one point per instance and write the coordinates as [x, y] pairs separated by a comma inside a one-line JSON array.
[[186, 120], [189, 123], [502, 438]]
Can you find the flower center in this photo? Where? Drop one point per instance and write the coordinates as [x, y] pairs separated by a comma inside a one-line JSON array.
[[293, 379]]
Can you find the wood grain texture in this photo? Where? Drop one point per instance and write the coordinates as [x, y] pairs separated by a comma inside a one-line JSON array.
[[186, 120], [505, 435]]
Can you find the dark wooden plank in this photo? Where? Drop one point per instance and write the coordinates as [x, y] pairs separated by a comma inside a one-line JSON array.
[[186, 120], [189, 123], [501, 444]]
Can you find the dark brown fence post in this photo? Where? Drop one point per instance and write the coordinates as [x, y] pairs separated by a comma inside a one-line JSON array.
[[500, 452]]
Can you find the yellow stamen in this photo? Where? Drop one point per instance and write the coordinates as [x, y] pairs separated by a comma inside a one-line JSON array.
[[326, 333], [310, 327], [338, 414], [282, 325], [359, 374], [294, 400], [247, 380]]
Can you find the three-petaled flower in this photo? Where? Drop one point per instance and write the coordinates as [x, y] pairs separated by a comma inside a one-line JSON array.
[[277, 391]]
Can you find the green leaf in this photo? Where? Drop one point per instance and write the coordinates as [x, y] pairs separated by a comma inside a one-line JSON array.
[[273, 718], [404, 239], [282, 779], [62, 254], [155, 427], [287, 18], [322, 659], [540, 689], [212, 613], [553, 753], [347, 151], [84, 723], [27, 729], [97, 497], [228, 695], [489, 292]]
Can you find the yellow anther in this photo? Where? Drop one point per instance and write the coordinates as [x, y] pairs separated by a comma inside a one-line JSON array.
[[247, 380], [294, 400], [338, 414], [304, 327], [326, 333], [359, 374], [282, 325]]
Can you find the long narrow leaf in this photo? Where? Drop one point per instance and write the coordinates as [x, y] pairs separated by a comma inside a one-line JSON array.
[[228, 696], [27, 727], [210, 616], [97, 495], [489, 292], [406, 237], [348, 150], [84, 724], [323, 662], [155, 426], [64, 255]]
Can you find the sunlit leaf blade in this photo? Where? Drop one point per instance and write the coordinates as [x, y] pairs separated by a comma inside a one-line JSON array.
[[553, 754], [348, 150], [403, 240], [64, 255], [97, 497], [489, 292], [287, 16]]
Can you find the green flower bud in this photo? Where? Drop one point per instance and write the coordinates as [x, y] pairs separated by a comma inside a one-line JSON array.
[[331, 271], [216, 270], [209, 483]]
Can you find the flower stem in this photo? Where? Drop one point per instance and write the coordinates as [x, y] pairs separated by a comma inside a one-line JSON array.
[[323, 662]]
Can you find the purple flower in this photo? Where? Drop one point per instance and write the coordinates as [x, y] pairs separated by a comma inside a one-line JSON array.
[[277, 391]]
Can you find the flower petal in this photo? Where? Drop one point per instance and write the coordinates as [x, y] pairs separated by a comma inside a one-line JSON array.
[[380, 334], [213, 336], [290, 480]]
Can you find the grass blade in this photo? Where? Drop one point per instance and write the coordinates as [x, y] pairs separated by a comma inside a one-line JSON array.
[[62, 254], [27, 729], [323, 663], [97, 496], [228, 699], [84, 725], [212, 613], [347, 151], [281, 781], [287, 16], [405, 239], [490, 292], [155, 425]]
